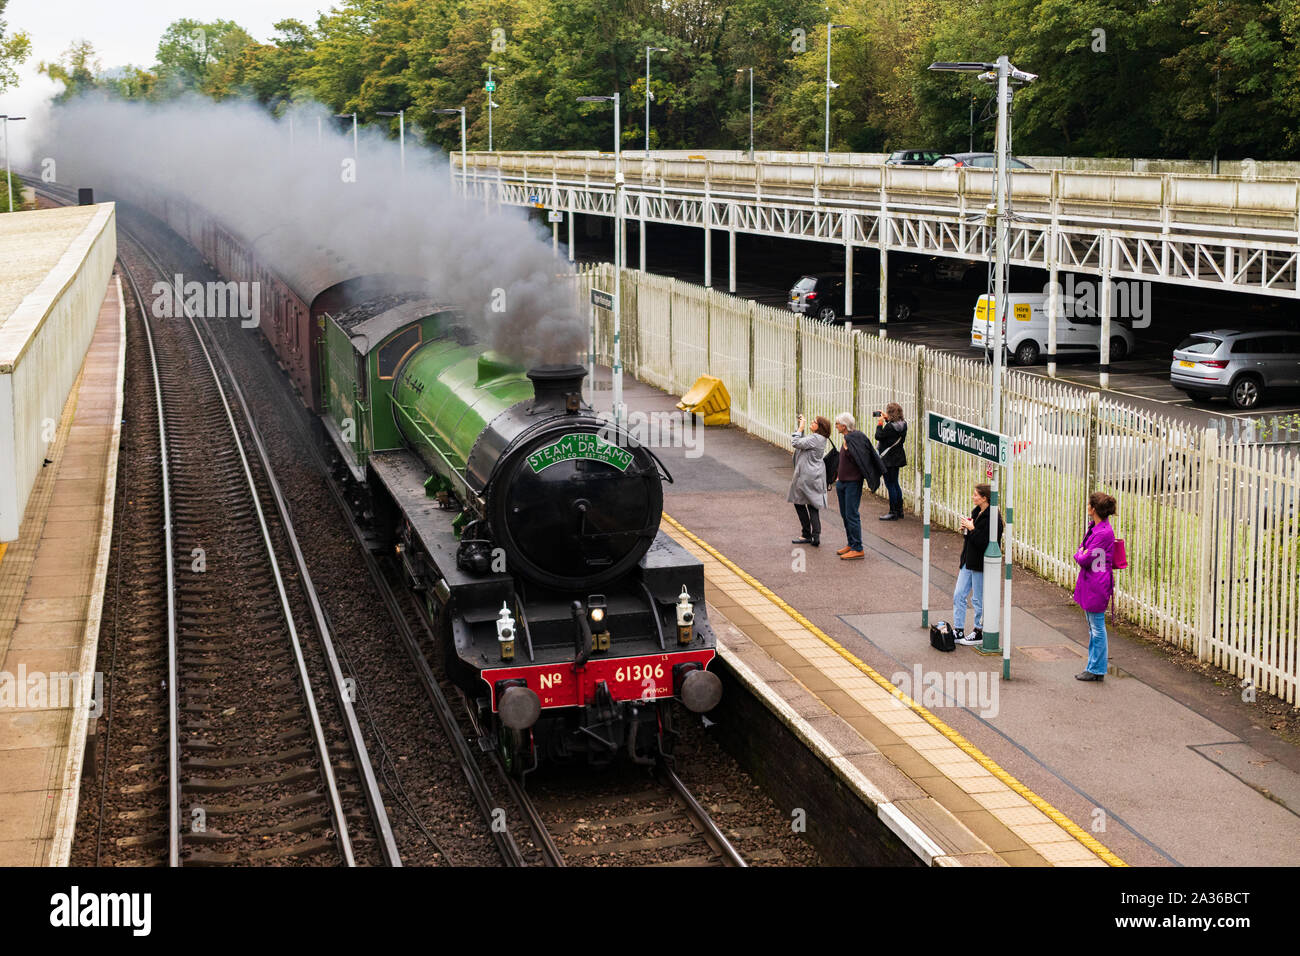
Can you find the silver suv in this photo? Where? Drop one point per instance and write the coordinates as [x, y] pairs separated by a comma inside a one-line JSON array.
[[1241, 365]]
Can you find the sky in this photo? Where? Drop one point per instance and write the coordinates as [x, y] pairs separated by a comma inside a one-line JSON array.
[[123, 32]]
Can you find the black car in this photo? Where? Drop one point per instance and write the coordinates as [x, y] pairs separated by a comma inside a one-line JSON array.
[[938, 271], [821, 295], [913, 157]]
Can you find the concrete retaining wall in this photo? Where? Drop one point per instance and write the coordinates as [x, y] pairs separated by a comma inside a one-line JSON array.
[[42, 345]]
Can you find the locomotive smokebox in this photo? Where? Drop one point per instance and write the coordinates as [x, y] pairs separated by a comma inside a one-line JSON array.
[[557, 387]]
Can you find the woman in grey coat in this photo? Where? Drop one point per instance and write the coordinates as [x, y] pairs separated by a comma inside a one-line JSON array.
[[808, 487]]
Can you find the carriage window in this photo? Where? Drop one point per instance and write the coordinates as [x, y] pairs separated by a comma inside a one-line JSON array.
[[396, 348]]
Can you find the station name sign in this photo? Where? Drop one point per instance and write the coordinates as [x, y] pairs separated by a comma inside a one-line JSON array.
[[602, 300], [968, 438]]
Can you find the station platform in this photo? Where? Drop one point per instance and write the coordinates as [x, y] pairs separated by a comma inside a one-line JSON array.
[[1158, 765], [52, 582]]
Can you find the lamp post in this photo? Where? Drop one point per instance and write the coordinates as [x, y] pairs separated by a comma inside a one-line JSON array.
[[830, 84], [463, 167], [401, 132], [491, 88], [648, 95], [619, 412], [1214, 169], [971, 144], [354, 130], [751, 109], [1003, 73], [9, 179]]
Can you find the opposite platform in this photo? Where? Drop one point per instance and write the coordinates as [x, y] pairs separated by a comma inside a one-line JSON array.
[[51, 595]]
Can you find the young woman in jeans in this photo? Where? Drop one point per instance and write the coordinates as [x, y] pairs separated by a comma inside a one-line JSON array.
[[1096, 583], [970, 572]]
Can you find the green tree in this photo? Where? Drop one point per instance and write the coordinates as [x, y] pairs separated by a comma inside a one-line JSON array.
[[205, 57], [14, 50], [77, 68]]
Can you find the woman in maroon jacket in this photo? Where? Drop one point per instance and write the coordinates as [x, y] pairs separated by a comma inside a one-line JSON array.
[[1096, 583]]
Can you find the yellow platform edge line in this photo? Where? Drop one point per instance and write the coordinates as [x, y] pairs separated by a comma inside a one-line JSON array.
[[1056, 816]]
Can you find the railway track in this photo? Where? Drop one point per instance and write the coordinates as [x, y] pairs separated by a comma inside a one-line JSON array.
[[255, 769]]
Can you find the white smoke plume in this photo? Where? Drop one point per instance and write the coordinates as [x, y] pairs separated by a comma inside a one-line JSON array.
[[239, 163]]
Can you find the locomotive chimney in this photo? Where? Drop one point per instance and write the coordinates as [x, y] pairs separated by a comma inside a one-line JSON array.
[[557, 387]]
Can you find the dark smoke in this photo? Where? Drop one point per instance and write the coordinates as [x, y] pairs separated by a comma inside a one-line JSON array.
[[236, 161]]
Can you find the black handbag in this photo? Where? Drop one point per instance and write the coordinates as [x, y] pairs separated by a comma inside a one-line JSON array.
[[942, 637], [832, 462]]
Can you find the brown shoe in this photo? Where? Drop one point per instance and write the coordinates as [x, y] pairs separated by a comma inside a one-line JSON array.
[[852, 556], [844, 550]]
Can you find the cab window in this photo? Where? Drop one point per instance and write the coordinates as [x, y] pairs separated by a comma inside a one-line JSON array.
[[397, 348]]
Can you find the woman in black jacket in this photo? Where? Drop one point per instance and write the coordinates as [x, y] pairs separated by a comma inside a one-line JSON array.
[[891, 436], [970, 570]]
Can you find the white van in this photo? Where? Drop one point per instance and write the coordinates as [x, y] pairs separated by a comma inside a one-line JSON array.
[[1026, 334]]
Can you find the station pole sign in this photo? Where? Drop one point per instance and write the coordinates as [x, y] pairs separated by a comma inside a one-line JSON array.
[[992, 449], [969, 438]]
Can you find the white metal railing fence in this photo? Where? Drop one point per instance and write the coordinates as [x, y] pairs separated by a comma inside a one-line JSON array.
[[1211, 524]]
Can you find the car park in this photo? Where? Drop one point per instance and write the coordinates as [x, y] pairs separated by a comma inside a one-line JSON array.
[[821, 295], [1241, 366], [1026, 335]]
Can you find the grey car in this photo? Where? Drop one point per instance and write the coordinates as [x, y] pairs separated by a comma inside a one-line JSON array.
[[979, 161], [1244, 366]]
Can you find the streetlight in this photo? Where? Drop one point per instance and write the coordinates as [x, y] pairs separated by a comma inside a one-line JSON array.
[[491, 88], [751, 109], [971, 145], [354, 130], [461, 111], [619, 411], [1003, 72], [1215, 168], [401, 131], [830, 84], [648, 95], [9, 179]]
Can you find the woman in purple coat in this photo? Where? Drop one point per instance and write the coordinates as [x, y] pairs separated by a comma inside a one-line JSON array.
[[1095, 558]]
